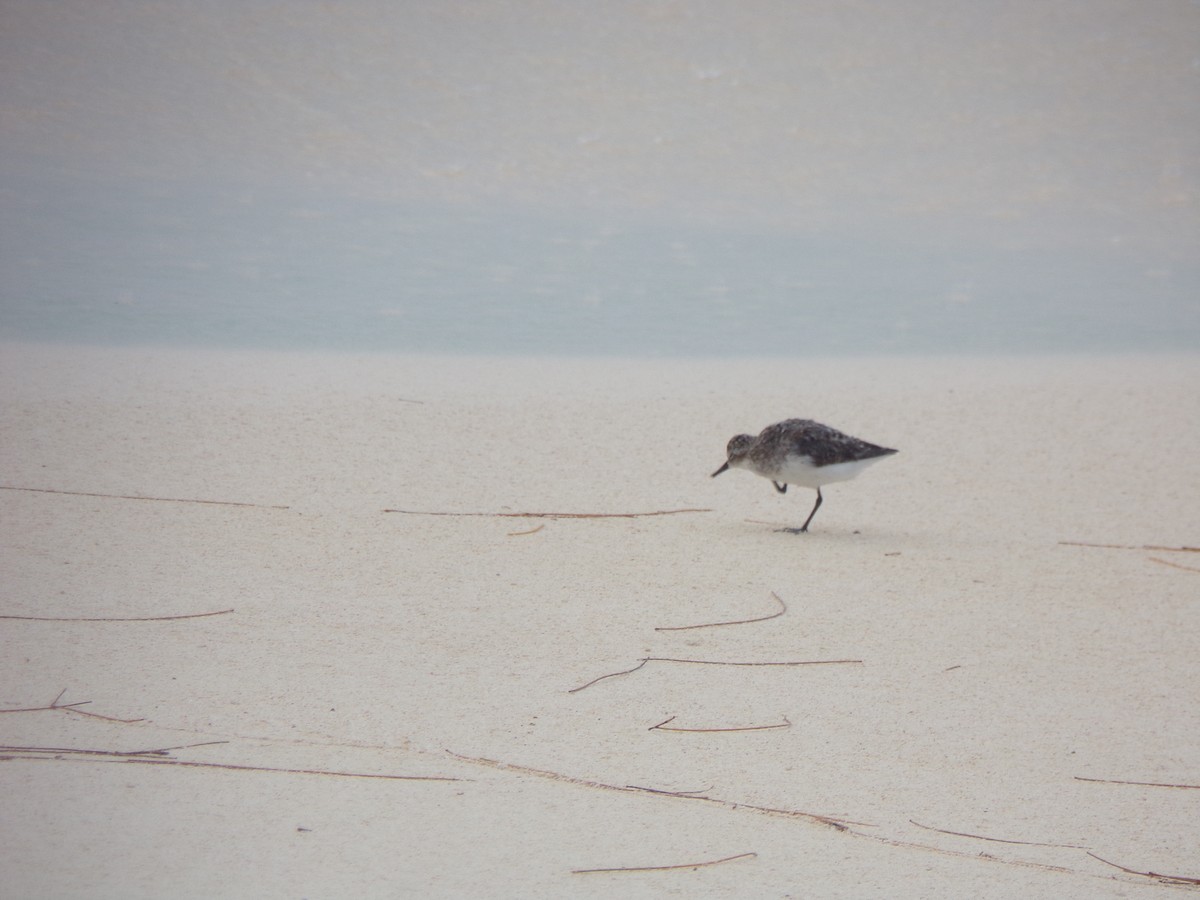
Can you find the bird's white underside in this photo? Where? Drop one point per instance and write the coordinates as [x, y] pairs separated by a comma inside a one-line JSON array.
[[799, 470]]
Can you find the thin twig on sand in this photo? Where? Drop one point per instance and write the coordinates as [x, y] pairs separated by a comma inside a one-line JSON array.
[[696, 865], [219, 612], [1173, 565], [839, 824], [1158, 547], [717, 662], [159, 757], [1175, 879], [609, 675], [5, 487], [530, 531], [1194, 787], [662, 726], [159, 752], [692, 794], [981, 837], [70, 708], [775, 615]]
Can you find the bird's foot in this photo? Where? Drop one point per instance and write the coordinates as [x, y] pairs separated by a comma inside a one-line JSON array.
[[792, 530]]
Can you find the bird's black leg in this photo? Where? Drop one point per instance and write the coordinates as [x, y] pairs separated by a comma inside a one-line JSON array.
[[804, 528], [816, 506], [782, 488]]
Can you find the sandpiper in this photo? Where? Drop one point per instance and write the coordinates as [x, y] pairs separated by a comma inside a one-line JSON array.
[[803, 452]]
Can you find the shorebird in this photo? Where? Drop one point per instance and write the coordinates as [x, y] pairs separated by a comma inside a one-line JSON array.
[[802, 452]]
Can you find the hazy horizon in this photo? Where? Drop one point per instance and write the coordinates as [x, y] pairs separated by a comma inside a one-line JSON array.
[[657, 178]]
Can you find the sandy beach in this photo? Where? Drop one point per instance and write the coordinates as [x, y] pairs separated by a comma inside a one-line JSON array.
[[288, 625]]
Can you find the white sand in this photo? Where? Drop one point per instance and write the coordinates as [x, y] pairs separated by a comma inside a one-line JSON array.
[[999, 666]]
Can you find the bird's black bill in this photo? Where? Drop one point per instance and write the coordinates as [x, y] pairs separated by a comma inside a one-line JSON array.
[[719, 471]]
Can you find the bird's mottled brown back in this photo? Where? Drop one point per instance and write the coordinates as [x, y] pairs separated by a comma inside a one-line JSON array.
[[804, 437]]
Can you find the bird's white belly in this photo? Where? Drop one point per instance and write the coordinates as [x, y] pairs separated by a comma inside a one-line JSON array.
[[799, 470]]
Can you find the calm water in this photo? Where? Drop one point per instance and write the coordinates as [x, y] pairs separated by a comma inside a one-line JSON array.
[[131, 264]]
